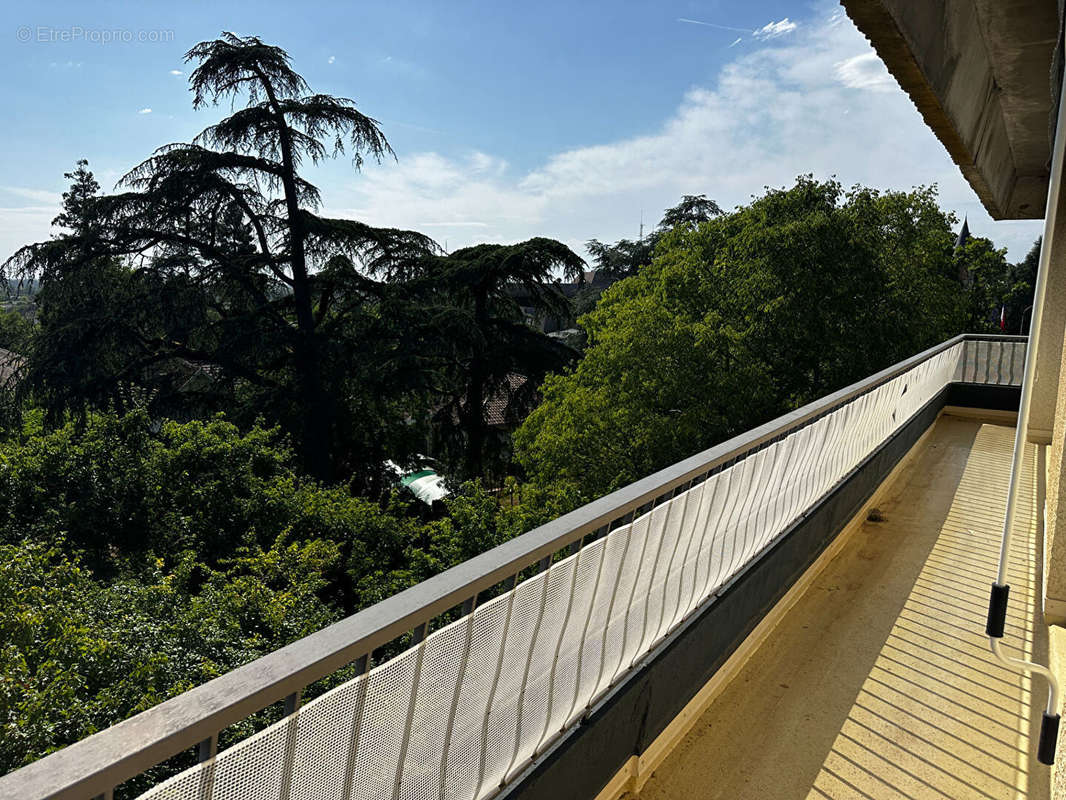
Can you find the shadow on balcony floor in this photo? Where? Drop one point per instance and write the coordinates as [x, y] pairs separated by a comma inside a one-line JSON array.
[[878, 683]]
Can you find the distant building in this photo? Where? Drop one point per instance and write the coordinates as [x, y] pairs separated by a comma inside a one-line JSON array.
[[591, 281], [10, 364], [964, 235]]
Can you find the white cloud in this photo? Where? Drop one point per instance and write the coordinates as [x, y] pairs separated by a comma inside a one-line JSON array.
[[21, 225], [737, 41], [776, 110], [772, 114], [145, 111], [37, 195], [865, 71], [331, 59], [453, 224], [771, 30], [176, 72]]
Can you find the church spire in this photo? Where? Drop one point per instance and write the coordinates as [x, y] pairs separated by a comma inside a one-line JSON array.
[[964, 235]]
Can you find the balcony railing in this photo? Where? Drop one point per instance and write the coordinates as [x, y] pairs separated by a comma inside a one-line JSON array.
[[464, 710]]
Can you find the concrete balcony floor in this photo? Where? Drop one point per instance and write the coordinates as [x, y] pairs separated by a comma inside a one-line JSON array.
[[878, 682]]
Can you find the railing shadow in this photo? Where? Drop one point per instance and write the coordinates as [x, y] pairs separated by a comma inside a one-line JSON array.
[[879, 682]]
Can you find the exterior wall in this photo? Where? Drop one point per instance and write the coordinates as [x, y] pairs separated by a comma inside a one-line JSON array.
[[1047, 401], [1047, 420], [1057, 663], [1055, 510]]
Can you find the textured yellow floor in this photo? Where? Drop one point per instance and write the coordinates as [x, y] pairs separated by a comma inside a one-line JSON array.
[[878, 683]]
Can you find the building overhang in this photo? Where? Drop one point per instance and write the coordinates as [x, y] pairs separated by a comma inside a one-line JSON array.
[[979, 71]]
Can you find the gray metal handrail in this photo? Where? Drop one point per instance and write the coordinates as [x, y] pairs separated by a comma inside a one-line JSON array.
[[93, 766]]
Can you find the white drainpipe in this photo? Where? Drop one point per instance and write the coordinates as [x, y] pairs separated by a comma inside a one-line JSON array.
[[997, 605]]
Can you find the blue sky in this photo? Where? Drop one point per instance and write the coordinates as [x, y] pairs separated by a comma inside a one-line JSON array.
[[509, 119]]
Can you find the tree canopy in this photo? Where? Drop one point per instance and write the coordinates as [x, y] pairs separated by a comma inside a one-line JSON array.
[[741, 318], [212, 375], [260, 287], [489, 352], [625, 257]]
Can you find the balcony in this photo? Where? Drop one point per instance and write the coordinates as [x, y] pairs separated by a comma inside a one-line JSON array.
[[878, 682], [731, 626]]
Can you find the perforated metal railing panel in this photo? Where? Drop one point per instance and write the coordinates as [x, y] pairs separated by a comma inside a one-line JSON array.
[[988, 361], [461, 713]]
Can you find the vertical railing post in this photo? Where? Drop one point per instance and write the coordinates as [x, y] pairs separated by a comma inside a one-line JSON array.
[[610, 606], [721, 527], [468, 612], [362, 668], [690, 487], [418, 639], [519, 705], [584, 635], [632, 594], [638, 651], [680, 496], [751, 510], [292, 705], [559, 643], [703, 520], [205, 754], [495, 685], [742, 472]]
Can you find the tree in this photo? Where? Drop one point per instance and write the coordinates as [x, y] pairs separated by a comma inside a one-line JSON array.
[[741, 318], [79, 202], [690, 212], [1021, 285], [270, 312], [987, 279], [86, 310], [80, 655], [488, 348], [626, 257], [621, 259], [14, 331]]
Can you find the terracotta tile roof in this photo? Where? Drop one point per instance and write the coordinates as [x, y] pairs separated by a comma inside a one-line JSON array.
[[496, 405]]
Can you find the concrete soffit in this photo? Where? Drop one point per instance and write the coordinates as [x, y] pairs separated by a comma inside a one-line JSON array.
[[979, 72]]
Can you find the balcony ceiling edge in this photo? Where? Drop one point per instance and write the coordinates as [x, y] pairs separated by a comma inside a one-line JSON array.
[[979, 72]]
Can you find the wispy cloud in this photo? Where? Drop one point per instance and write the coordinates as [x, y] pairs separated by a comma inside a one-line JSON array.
[[37, 195], [22, 224], [453, 224], [865, 71], [713, 25], [145, 110], [773, 112], [176, 72], [331, 59], [771, 30]]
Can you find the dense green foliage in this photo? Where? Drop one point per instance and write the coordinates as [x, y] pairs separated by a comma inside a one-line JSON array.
[[15, 331], [741, 318], [213, 375], [487, 342], [138, 563]]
